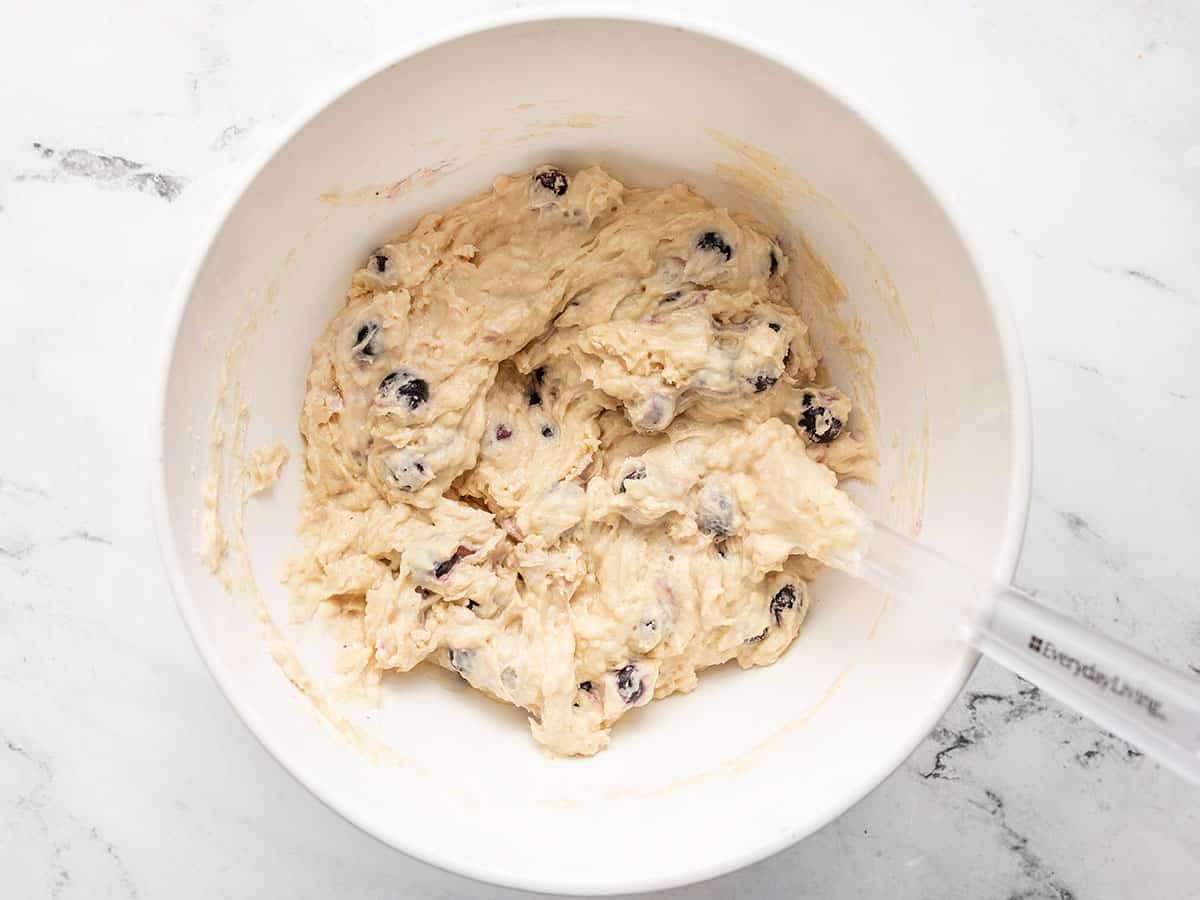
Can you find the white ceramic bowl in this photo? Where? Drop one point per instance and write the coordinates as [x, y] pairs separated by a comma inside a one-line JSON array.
[[751, 761]]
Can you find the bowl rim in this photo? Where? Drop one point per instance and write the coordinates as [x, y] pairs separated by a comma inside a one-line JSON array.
[[1021, 449]]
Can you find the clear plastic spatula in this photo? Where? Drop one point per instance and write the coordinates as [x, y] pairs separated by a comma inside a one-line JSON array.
[[1137, 698]]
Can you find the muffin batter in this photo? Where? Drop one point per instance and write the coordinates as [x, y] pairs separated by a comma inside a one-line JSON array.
[[570, 440]]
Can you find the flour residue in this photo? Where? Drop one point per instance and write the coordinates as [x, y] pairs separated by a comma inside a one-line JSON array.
[[820, 294], [214, 539], [844, 336], [234, 475], [548, 127], [761, 174], [822, 299], [263, 466], [392, 190], [817, 291], [746, 760], [213, 542]]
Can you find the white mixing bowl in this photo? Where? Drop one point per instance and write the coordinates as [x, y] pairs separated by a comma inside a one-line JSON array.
[[752, 761]]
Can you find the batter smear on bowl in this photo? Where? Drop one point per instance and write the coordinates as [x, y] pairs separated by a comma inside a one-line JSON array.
[[569, 439]]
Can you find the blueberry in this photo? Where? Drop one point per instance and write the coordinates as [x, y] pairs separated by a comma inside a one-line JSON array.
[[503, 432], [508, 678], [636, 473], [774, 326], [653, 412], [714, 512], [406, 470], [462, 660], [672, 297], [785, 598], [712, 240], [379, 261], [403, 387], [629, 686], [539, 375], [547, 431], [533, 397], [713, 524], [443, 568], [365, 346], [366, 331], [758, 637], [552, 180], [773, 263], [762, 382], [472, 605], [820, 425], [585, 686]]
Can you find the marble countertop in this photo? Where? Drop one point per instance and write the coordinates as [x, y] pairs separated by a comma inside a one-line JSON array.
[[1068, 135]]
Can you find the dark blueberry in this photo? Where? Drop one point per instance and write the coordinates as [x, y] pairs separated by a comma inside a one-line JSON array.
[[366, 331], [762, 382], [585, 686], [366, 348], [785, 598], [539, 375], [380, 261], [462, 660], [711, 240], [636, 473], [629, 686], [773, 265], [472, 605], [547, 431], [774, 326], [503, 432], [443, 568], [758, 637], [552, 180], [404, 387], [672, 297], [533, 397], [820, 425]]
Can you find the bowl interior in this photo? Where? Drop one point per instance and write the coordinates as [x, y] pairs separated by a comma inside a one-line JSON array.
[[751, 761]]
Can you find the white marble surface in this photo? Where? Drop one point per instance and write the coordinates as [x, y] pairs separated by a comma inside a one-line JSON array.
[[1068, 134]]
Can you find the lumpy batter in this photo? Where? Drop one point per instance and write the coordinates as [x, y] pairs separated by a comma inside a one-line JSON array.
[[569, 439]]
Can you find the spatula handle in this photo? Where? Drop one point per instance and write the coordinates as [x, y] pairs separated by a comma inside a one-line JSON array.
[[1135, 697]]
